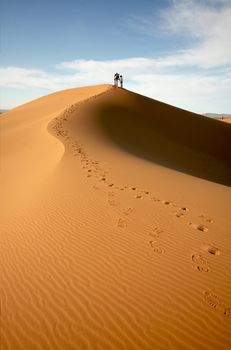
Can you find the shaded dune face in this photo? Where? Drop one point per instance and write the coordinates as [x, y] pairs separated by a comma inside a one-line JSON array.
[[165, 135]]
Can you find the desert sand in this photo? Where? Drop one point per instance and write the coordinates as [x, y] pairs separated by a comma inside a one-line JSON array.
[[115, 224], [227, 120]]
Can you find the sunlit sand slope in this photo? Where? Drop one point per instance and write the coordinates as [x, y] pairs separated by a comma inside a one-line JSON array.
[[227, 120], [115, 225]]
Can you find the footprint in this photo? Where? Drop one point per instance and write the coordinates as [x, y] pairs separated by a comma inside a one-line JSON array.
[[138, 196], [178, 214], [156, 232], [157, 248], [133, 188], [210, 221], [213, 250], [227, 312], [122, 223], [200, 262], [184, 209], [155, 199], [166, 202], [212, 299], [113, 203], [128, 211], [199, 227]]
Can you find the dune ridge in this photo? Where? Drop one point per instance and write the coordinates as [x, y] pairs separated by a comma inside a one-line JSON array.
[[104, 252]]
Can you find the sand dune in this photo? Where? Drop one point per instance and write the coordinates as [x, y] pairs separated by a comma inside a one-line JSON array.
[[115, 224], [163, 134]]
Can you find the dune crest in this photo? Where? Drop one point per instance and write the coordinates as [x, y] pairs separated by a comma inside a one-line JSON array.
[[115, 225]]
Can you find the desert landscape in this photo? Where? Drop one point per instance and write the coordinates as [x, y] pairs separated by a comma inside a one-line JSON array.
[[115, 224]]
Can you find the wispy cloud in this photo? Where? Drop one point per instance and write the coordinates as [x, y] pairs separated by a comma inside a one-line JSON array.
[[205, 26], [18, 77], [210, 26], [195, 91]]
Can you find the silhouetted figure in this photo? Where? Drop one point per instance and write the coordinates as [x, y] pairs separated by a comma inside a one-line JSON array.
[[116, 79], [121, 81]]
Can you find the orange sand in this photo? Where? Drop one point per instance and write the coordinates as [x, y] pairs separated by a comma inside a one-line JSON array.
[[115, 224]]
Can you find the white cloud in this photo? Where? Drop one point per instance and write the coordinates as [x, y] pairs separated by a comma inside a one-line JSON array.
[[198, 92], [192, 92], [205, 27], [92, 70], [210, 26], [23, 78]]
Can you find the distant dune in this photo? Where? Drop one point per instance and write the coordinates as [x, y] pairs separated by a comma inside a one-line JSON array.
[[115, 224], [218, 115]]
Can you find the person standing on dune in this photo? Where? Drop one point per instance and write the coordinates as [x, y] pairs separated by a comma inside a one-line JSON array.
[[116, 79], [121, 81]]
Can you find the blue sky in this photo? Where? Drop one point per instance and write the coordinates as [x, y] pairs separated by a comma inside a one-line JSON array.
[[178, 52]]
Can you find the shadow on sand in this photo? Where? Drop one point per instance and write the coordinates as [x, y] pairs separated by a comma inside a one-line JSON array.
[[167, 135]]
